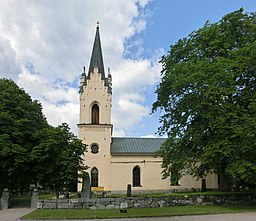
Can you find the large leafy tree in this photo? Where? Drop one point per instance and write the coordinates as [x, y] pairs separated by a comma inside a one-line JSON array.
[[207, 96], [31, 151], [58, 157], [20, 120]]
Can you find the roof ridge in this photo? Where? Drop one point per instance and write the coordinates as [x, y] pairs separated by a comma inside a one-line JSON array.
[[140, 137]]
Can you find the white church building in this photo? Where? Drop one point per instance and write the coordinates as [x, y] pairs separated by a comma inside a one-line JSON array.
[[115, 162]]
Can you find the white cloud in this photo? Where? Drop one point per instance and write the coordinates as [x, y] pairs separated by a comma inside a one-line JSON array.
[[149, 136], [8, 65], [44, 44], [119, 132], [131, 112], [131, 80], [133, 75], [60, 102], [57, 114]]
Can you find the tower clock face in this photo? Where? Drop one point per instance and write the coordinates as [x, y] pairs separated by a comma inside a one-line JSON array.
[[94, 149]]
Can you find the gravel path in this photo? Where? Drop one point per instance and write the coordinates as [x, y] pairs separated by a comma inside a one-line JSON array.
[[13, 214]]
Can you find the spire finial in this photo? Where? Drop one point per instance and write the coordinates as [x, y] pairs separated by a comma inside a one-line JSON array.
[[97, 24]]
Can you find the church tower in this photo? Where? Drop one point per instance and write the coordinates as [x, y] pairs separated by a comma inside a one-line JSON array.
[[95, 128]]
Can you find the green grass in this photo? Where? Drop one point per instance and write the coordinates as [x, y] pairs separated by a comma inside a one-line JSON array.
[[194, 193], [43, 214], [47, 196], [176, 194], [53, 196]]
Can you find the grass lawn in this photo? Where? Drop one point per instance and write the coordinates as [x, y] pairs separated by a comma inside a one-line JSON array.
[[43, 214], [194, 193]]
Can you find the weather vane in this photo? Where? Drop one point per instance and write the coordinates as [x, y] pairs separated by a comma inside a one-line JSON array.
[[97, 24]]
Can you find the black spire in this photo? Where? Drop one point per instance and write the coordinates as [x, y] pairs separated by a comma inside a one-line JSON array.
[[96, 57]]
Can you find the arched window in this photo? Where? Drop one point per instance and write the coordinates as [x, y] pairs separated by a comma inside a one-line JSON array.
[[94, 177], [95, 114], [136, 176]]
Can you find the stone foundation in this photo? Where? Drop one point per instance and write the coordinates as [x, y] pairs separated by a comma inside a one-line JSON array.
[[142, 202]]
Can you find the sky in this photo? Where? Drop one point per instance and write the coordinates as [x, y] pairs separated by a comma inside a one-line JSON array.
[[44, 45]]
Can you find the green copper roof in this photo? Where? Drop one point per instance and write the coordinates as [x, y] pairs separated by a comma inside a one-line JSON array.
[[140, 146], [97, 57]]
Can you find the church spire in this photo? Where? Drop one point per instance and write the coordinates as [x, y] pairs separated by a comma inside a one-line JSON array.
[[96, 61], [96, 57]]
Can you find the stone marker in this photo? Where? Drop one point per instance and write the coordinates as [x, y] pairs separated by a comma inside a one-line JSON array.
[[129, 190], [5, 199], [34, 199], [86, 189], [123, 207]]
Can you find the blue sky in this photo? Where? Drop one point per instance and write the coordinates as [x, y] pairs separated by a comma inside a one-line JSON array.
[[172, 20], [44, 45]]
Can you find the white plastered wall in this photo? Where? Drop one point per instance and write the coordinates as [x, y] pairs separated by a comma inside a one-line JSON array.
[[151, 177]]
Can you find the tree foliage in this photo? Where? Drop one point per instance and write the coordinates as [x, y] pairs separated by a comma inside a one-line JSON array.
[[207, 97], [20, 119], [58, 157], [31, 151]]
